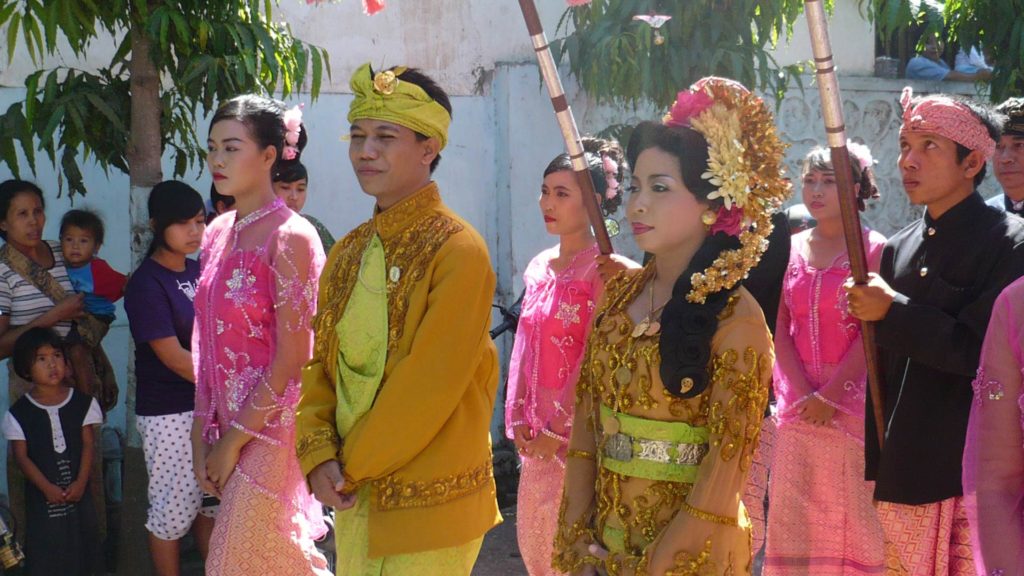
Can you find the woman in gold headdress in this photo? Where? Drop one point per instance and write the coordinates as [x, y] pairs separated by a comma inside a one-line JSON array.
[[678, 364]]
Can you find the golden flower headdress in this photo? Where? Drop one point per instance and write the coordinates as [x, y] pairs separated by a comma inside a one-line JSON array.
[[745, 162]]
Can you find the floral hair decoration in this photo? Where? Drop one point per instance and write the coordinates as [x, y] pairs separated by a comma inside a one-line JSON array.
[[292, 126], [861, 153], [745, 162]]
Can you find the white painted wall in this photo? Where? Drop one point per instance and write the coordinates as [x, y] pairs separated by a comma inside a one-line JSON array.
[[852, 36]]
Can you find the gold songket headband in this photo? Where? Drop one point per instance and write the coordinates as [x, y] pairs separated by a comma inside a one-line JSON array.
[[384, 96]]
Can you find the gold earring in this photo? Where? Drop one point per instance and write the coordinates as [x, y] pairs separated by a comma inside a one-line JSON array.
[[709, 217]]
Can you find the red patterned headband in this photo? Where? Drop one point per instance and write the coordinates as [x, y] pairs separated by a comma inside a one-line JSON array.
[[948, 118]]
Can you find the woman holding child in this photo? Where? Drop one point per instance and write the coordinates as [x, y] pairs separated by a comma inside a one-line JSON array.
[[35, 292]]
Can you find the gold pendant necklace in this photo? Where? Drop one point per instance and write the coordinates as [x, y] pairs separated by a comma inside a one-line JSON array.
[[623, 375], [650, 325]]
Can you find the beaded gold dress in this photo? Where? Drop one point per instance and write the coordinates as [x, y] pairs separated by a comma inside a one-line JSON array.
[[652, 476]]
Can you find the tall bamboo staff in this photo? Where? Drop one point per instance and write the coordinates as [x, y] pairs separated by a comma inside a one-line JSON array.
[[835, 128], [566, 123]]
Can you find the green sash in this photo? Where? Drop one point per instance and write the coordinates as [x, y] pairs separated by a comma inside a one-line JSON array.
[[362, 340], [651, 449]]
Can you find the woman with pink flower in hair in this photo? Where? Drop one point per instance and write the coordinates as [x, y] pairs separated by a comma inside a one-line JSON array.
[[254, 305], [562, 287], [826, 523], [675, 378]]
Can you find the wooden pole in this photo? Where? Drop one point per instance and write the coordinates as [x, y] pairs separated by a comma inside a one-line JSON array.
[[835, 128], [567, 123]]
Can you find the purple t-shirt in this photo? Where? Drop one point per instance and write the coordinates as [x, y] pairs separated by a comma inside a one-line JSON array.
[[159, 305]]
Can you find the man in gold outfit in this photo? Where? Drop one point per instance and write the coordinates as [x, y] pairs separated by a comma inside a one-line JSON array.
[[393, 423]]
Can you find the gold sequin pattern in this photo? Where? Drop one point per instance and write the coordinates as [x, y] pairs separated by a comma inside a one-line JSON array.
[[570, 550], [412, 251], [699, 564], [736, 426], [643, 509]]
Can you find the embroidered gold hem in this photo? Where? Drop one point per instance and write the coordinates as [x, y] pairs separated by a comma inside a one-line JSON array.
[[394, 493]]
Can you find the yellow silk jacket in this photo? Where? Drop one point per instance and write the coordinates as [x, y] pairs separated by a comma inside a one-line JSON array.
[[424, 447]]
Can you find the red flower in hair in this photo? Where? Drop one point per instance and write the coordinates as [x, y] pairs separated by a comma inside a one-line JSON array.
[[728, 221], [688, 104]]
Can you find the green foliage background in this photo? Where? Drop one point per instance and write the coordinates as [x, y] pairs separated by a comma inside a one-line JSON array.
[[615, 58], [996, 24], [204, 51]]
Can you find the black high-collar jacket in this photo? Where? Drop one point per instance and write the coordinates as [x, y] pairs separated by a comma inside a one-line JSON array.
[[948, 273]]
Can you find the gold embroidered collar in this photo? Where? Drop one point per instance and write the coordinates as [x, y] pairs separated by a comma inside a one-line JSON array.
[[396, 219]]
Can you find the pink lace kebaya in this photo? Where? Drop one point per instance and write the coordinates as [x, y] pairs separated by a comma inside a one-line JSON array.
[[994, 454], [254, 304], [545, 364], [817, 343]]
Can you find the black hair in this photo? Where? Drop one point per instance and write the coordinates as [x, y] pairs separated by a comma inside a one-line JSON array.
[[171, 202], [1013, 110], [436, 93], [86, 220], [686, 327], [264, 117], [28, 344], [215, 197], [820, 158], [293, 172], [11, 188], [989, 118], [596, 149]]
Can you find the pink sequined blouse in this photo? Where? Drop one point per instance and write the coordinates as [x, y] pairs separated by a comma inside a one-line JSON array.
[[254, 304], [552, 332], [818, 352]]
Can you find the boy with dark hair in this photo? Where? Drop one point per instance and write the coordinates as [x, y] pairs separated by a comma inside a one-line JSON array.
[[932, 299], [81, 236]]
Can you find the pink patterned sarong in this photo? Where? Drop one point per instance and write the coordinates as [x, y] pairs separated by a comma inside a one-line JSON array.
[[930, 539]]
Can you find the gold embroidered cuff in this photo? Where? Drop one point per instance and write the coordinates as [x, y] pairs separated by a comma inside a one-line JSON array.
[[316, 448], [351, 486], [582, 454], [708, 516]]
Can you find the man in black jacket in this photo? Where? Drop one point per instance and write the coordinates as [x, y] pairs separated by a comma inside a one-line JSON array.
[[932, 299]]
